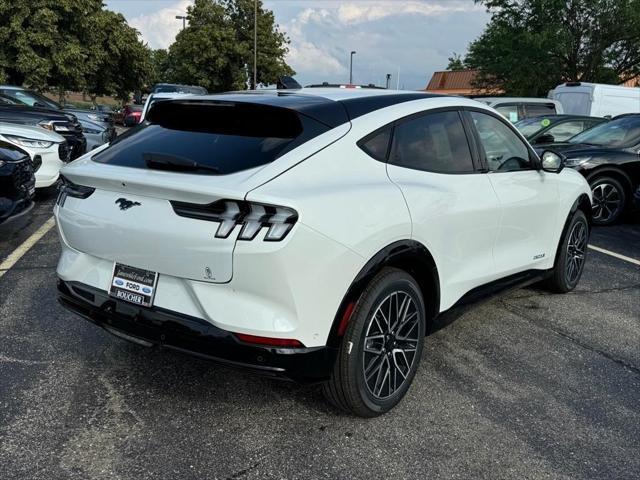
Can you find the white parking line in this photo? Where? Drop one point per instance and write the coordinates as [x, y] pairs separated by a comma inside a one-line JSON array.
[[614, 254], [18, 253]]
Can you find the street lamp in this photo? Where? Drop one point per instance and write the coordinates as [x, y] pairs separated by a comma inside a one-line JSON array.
[[255, 44], [351, 68], [184, 20]]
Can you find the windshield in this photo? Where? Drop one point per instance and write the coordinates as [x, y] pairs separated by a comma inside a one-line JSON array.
[[531, 126], [31, 98], [624, 132]]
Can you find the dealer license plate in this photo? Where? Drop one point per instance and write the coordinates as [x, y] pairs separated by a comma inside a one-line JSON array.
[[133, 285]]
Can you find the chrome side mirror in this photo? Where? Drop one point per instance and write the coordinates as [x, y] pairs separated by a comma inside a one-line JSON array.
[[552, 162]]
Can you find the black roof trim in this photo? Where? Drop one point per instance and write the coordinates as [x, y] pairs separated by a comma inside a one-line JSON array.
[[325, 110], [358, 106], [321, 109]]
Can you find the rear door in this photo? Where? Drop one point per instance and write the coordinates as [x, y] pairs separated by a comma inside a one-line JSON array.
[[454, 210], [528, 197]]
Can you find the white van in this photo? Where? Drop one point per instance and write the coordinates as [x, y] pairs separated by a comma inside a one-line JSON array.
[[596, 99]]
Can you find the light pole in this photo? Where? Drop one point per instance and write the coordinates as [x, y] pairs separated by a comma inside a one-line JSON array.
[[255, 44], [351, 68], [184, 20]]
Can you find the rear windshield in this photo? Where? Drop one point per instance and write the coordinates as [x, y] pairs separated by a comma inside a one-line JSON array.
[[210, 137]]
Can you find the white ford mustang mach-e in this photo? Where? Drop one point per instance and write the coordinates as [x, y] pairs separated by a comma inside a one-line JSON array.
[[313, 234]]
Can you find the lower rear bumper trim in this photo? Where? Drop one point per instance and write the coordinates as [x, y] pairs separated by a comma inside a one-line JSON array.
[[194, 336]]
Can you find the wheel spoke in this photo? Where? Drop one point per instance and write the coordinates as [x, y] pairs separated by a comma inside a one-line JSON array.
[[390, 344]]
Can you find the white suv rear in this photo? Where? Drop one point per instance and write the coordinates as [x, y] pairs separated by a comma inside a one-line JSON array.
[[312, 234]]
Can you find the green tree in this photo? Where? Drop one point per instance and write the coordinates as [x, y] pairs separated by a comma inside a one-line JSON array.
[[70, 45], [42, 42], [530, 46], [119, 62], [216, 49], [272, 43], [160, 67], [455, 62]]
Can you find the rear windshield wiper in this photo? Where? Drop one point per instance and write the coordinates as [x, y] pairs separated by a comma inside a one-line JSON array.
[[163, 161]]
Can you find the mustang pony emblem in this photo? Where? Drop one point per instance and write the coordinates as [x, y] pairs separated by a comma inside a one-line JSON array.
[[126, 204]]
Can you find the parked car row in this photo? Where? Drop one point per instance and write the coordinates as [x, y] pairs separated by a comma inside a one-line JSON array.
[[597, 127], [48, 135], [17, 183]]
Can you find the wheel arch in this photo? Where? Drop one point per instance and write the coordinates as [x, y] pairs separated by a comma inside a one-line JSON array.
[[581, 203], [408, 255], [617, 173]]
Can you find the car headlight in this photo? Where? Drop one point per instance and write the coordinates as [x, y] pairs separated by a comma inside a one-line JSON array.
[[576, 161], [92, 131], [55, 127], [28, 142], [2, 163]]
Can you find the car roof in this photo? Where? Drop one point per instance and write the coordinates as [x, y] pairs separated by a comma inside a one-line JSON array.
[[12, 87], [515, 100], [566, 117], [331, 106]]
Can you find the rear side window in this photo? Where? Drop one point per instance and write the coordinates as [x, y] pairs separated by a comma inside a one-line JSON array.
[[211, 137], [539, 109], [510, 112], [435, 142], [377, 145]]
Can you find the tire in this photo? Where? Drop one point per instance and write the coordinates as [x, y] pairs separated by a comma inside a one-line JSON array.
[[571, 256], [392, 355], [609, 200]]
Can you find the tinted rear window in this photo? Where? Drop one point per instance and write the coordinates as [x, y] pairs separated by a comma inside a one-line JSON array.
[[222, 137]]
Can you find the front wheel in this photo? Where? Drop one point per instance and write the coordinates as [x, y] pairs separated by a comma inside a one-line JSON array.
[[571, 255], [382, 346], [609, 199]]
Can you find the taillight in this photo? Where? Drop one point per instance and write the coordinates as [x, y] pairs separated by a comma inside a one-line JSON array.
[[251, 216], [70, 189], [269, 341]]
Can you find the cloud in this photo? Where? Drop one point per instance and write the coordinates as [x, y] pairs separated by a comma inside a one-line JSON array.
[[305, 55], [352, 12], [409, 38], [159, 29]]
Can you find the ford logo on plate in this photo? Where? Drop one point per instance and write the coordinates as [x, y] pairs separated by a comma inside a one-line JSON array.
[[146, 289], [119, 282]]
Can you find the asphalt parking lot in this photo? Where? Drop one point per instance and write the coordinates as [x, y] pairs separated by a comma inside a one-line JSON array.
[[527, 385]]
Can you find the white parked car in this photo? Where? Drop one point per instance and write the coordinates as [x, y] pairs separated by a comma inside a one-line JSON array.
[[48, 150], [518, 108], [314, 234]]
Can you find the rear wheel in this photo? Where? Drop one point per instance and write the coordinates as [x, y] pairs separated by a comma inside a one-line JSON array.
[[571, 255], [609, 199], [381, 348]]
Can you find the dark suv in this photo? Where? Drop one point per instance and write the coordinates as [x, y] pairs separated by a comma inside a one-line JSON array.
[[65, 124], [17, 183], [608, 155]]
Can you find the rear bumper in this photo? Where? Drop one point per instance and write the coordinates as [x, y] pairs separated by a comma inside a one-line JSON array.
[[161, 327]]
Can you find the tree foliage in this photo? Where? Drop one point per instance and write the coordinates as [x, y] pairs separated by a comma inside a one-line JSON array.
[[216, 48], [70, 45], [530, 46], [455, 62]]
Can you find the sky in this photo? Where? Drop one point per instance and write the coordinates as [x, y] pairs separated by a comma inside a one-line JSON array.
[[408, 39]]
